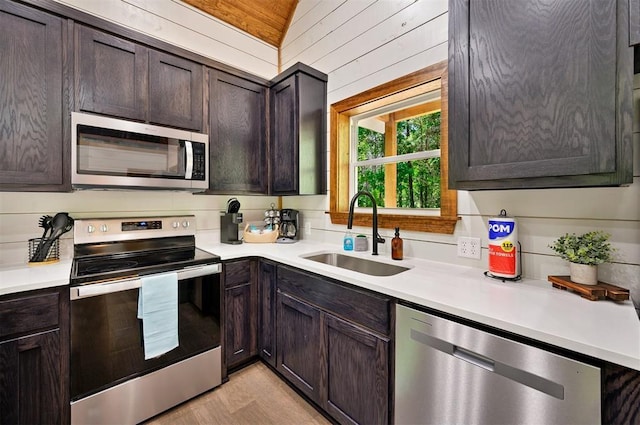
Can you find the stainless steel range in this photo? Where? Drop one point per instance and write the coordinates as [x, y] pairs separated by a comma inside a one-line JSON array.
[[145, 318]]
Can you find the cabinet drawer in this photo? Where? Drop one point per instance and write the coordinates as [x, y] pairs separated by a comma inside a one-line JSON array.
[[367, 309], [237, 273], [28, 314]]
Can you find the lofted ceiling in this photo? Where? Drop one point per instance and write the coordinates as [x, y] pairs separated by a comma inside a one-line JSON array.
[[267, 20]]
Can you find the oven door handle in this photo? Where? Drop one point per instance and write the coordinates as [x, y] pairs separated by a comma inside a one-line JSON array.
[[105, 288], [198, 271], [126, 284]]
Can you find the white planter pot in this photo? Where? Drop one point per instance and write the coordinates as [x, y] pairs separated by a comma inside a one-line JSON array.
[[583, 273]]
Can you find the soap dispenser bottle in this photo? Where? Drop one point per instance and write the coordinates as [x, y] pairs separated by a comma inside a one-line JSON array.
[[347, 243], [396, 246]]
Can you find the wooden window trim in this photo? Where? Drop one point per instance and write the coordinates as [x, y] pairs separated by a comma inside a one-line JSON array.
[[423, 81]]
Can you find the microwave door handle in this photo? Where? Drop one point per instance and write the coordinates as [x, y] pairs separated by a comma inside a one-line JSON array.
[[188, 170]]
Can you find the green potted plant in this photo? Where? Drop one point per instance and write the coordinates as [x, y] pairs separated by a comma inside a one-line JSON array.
[[584, 253]]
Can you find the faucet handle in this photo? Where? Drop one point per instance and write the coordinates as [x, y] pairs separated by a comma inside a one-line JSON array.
[[379, 238]]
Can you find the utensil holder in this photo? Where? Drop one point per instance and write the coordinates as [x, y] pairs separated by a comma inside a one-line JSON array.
[[52, 256]]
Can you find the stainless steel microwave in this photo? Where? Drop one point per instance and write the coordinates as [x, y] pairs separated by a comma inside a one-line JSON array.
[[111, 153]]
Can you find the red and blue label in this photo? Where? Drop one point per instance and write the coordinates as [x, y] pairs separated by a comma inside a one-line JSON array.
[[502, 248]]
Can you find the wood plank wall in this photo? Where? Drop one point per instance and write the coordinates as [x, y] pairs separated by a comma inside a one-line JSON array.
[[361, 44], [182, 25]]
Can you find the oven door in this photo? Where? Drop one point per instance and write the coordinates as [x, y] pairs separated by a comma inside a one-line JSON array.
[[106, 334]]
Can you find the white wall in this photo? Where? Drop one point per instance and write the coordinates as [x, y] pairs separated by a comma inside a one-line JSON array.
[[363, 43], [182, 25]]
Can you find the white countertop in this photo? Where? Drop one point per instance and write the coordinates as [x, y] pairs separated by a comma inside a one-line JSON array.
[[23, 277], [532, 308]]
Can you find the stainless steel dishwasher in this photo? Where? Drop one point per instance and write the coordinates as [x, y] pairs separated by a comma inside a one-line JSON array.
[[450, 373]]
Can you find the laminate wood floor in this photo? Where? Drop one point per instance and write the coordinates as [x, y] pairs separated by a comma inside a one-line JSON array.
[[253, 395]]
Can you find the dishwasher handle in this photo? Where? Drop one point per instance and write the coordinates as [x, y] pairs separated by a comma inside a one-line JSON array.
[[473, 358]]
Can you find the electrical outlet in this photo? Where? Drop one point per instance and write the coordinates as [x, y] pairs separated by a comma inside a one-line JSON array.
[[307, 228], [469, 247]]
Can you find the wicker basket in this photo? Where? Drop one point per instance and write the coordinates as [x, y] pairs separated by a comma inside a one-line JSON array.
[[265, 237]]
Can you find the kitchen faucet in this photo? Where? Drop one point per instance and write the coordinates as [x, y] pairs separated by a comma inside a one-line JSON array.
[[376, 236]]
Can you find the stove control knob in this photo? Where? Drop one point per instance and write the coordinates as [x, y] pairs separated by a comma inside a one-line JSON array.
[[91, 228], [185, 224], [103, 228], [175, 224]]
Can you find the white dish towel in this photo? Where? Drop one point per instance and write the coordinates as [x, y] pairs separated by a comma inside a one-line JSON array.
[[158, 309]]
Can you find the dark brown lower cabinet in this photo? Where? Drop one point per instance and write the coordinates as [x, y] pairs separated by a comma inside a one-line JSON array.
[[241, 312], [620, 395], [241, 330], [267, 314], [298, 352], [34, 357], [29, 379], [326, 351], [357, 371]]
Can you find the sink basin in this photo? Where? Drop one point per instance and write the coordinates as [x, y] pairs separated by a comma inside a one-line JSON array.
[[360, 265]]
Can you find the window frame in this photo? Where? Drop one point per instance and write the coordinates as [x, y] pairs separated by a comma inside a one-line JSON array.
[[423, 81]]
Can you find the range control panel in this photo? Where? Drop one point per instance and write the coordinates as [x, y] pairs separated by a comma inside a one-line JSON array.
[[90, 230]]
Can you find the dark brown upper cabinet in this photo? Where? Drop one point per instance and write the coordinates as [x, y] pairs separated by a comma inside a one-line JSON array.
[[237, 134], [634, 22], [539, 96], [112, 76], [125, 79], [298, 108], [34, 107], [175, 91]]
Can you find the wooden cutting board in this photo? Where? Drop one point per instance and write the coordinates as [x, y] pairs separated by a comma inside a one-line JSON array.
[[590, 292]]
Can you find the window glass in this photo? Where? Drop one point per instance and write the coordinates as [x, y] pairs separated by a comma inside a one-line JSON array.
[[397, 154]]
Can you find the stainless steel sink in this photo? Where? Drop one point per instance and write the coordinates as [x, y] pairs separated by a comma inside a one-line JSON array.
[[360, 265]]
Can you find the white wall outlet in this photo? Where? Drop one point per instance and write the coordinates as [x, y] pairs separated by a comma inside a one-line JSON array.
[[469, 247], [307, 228]]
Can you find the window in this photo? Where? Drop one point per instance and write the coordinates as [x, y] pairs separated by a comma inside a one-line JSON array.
[[395, 154], [392, 141]]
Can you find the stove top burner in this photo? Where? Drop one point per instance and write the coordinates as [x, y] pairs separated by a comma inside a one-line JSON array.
[[109, 266], [99, 262]]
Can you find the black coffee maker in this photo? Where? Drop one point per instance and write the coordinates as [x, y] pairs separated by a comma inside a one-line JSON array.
[[289, 226], [229, 221]]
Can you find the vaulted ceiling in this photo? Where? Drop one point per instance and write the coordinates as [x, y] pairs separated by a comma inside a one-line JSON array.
[[267, 20]]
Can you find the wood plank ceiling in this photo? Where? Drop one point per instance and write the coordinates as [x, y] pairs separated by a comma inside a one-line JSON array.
[[267, 20]]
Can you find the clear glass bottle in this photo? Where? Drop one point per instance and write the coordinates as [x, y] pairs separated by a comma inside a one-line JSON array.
[[396, 246]]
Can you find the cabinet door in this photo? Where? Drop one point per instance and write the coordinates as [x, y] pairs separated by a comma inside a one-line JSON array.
[[241, 338], [33, 154], [267, 315], [111, 75], [30, 380], [175, 91], [237, 137], [357, 381], [284, 137], [241, 312], [298, 353], [634, 22], [539, 96]]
